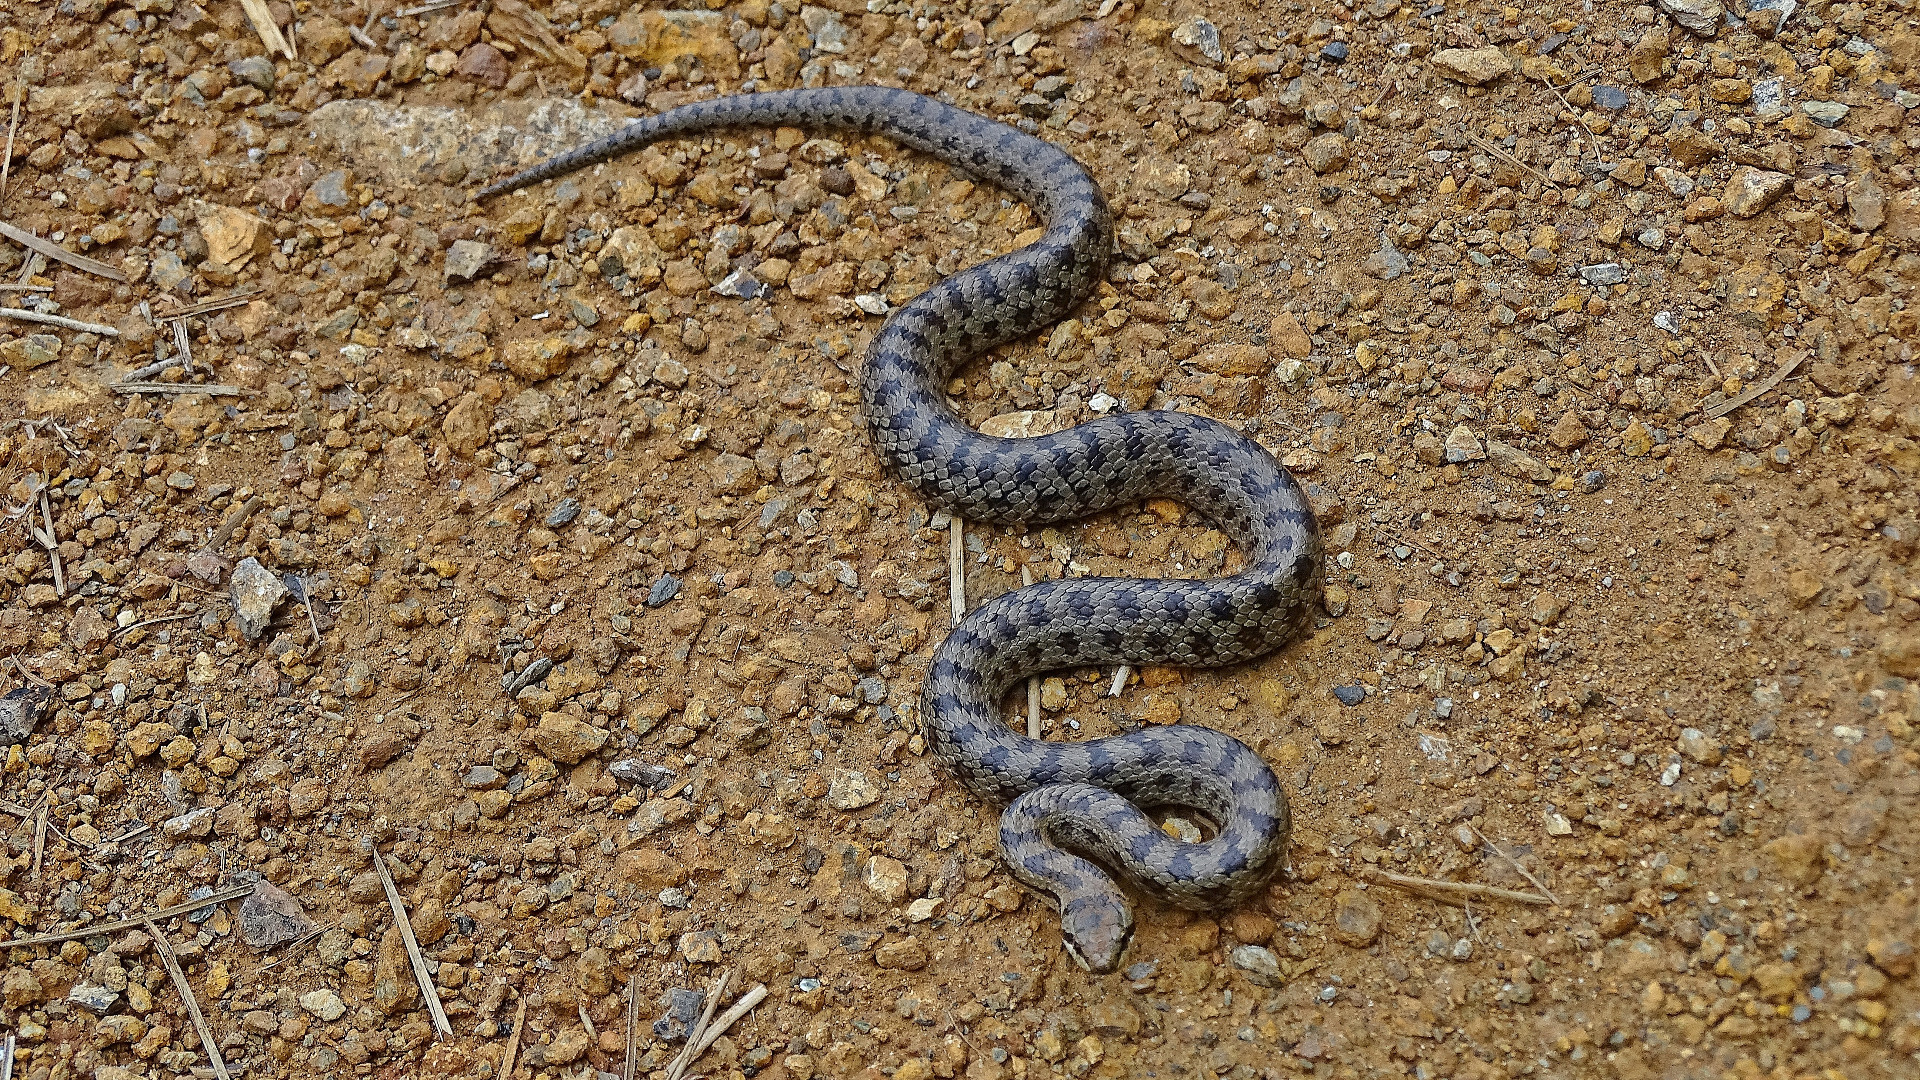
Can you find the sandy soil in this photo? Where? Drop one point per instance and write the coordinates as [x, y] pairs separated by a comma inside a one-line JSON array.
[[497, 537]]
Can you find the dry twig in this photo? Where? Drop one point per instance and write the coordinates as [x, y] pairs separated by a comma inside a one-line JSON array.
[[60, 321], [218, 896], [1119, 680], [1524, 872], [513, 1041], [420, 974], [143, 373], [54, 251], [26, 288], [1456, 893], [1793, 360], [633, 1027], [6, 170], [957, 568], [210, 389], [224, 302], [165, 950], [727, 1019], [234, 520], [1492, 149], [422, 9], [686, 1055], [39, 837], [293, 946], [183, 345], [47, 539], [130, 627], [269, 31]]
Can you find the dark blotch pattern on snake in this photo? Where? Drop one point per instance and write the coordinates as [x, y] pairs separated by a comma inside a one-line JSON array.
[[1084, 798]]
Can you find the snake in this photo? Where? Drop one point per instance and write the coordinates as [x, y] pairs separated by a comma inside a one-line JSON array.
[[1077, 819]]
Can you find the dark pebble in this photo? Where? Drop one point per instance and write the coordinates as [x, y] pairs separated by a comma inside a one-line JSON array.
[[836, 180], [1352, 694], [782, 578], [200, 915], [564, 513], [1336, 52], [663, 590], [683, 1008], [1593, 481], [1610, 98], [645, 774]]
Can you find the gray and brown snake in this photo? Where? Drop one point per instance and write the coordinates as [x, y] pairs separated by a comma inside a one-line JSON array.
[[1068, 800]]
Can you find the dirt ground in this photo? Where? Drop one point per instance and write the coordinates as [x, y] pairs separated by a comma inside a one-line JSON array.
[[537, 542]]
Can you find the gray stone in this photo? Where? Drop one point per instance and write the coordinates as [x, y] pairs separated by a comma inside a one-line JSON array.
[[1387, 263], [93, 997], [682, 1009], [1703, 17], [741, 286], [1698, 746], [255, 71], [20, 712], [663, 590], [167, 271], [483, 778], [1867, 202], [1610, 98], [255, 592], [332, 190], [1462, 446], [1750, 190], [852, 789], [644, 774], [1769, 96], [1200, 36], [269, 917], [1261, 966], [1518, 463], [325, 1005], [192, 824], [1603, 274], [887, 878], [1825, 113], [32, 351], [563, 513], [468, 259]]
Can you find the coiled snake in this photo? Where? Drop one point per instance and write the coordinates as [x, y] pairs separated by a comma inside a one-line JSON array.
[[1083, 798]]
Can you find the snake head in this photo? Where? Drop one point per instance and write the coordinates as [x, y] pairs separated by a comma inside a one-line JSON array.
[[1096, 931]]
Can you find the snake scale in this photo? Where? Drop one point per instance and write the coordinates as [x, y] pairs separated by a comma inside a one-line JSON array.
[[1068, 801]]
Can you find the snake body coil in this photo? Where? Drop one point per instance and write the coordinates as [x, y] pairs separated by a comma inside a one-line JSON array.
[[1085, 798]]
